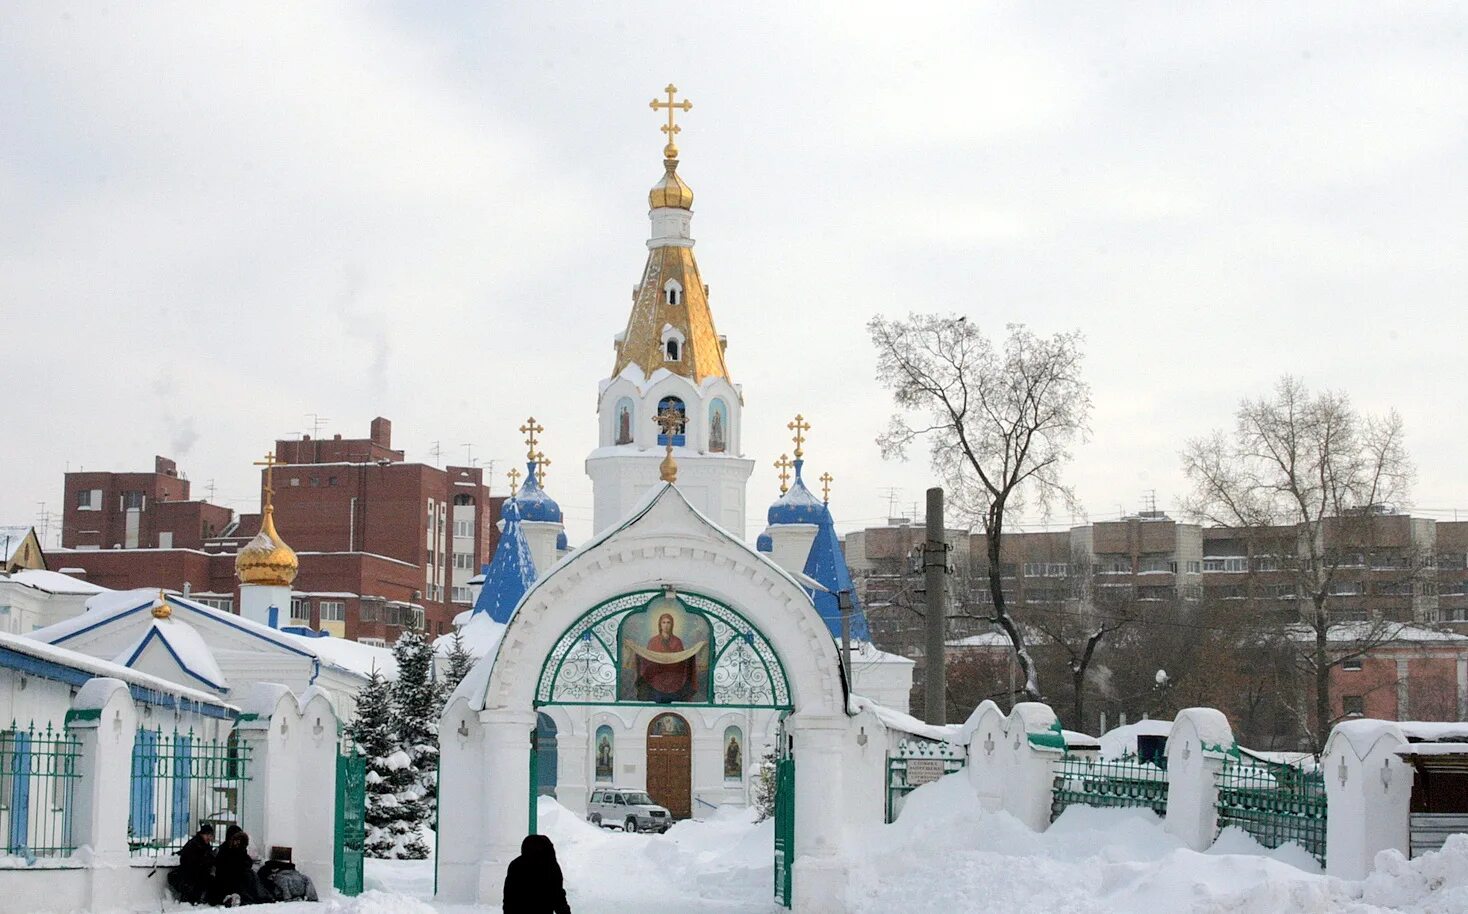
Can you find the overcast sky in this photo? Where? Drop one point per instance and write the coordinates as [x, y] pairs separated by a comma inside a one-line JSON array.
[[215, 221]]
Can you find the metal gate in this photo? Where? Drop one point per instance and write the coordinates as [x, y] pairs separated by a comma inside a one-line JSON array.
[[915, 763], [784, 826], [351, 821]]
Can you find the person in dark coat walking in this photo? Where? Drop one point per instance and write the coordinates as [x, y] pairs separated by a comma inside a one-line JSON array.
[[190, 879], [533, 883], [283, 881], [235, 882]]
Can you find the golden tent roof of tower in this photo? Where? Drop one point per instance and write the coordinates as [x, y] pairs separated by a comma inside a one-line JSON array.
[[702, 354]]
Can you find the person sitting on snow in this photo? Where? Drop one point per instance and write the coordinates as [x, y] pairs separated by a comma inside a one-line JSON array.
[[190, 879], [282, 880]]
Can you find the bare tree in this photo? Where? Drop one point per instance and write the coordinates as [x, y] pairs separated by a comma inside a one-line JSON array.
[[1076, 626], [999, 422], [1315, 467]]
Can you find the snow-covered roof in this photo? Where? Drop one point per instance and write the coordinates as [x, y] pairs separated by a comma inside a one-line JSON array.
[[184, 645], [480, 635], [11, 538], [349, 657], [510, 572], [148, 688], [893, 719], [51, 581], [1383, 634]]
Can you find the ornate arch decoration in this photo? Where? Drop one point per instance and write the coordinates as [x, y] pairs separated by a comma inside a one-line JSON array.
[[584, 667]]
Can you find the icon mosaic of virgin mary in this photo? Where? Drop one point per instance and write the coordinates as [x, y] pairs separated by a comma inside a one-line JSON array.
[[665, 655]]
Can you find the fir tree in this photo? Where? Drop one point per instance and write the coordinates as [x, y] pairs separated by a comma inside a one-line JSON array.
[[765, 786], [457, 663], [415, 704], [374, 731]]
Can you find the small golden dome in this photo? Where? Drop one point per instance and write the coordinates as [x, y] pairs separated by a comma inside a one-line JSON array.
[[266, 559], [670, 191]]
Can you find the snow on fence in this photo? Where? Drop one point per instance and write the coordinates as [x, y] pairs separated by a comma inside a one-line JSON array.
[[179, 780], [916, 762], [1275, 802], [1090, 781], [38, 774]]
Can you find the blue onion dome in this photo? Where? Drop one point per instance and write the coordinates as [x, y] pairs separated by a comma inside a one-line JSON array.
[[797, 506], [533, 503], [562, 544], [764, 543], [511, 570]]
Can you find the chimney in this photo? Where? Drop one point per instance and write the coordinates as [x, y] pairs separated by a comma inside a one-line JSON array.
[[382, 432]]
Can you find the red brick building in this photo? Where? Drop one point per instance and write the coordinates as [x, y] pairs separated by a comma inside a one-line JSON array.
[[382, 542], [137, 510]]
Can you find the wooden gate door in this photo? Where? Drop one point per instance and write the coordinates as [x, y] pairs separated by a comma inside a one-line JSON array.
[[670, 764]]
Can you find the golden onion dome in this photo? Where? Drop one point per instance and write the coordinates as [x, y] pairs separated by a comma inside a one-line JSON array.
[[266, 559], [671, 190]]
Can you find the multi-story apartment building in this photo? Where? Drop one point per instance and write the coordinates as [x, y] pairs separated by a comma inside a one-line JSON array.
[[137, 510], [383, 543]]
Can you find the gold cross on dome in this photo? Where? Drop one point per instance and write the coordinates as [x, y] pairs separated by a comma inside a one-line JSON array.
[[541, 462], [784, 465], [826, 487], [530, 430], [670, 151], [514, 475], [799, 427], [268, 462]]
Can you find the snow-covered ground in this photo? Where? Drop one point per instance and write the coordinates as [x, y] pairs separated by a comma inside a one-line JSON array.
[[945, 854]]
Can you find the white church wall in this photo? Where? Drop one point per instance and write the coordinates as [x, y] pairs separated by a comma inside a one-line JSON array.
[[462, 772]]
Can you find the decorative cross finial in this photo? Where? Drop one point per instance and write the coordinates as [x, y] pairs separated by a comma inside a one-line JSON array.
[[799, 427], [826, 487], [670, 420], [530, 430], [670, 151], [784, 465], [514, 475], [541, 462], [269, 462]]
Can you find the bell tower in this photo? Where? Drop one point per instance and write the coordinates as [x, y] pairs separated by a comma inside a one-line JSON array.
[[670, 359]]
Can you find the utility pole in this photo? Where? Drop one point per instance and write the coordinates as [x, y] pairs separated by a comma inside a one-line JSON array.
[[935, 573]]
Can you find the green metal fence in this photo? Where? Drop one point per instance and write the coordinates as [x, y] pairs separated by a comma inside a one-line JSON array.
[[1276, 803], [178, 780], [38, 776], [1080, 780]]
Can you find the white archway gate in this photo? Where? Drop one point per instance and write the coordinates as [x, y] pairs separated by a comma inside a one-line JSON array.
[[566, 646]]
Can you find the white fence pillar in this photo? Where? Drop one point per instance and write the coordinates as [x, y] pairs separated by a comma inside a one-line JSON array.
[[1032, 745], [1200, 741], [819, 873], [316, 751], [268, 727], [1368, 791], [461, 810], [105, 722]]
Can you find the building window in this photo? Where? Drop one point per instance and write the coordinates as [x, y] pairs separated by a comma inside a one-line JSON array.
[[674, 404], [1231, 563], [1353, 705], [1154, 564], [331, 480], [672, 350], [89, 500], [370, 611], [295, 481], [463, 560], [1351, 666], [372, 642], [300, 611], [462, 500], [333, 611], [673, 293], [462, 595], [132, 501], [1195, 568], [464, 528], [1113, 564], [315, 480], [223, 604]]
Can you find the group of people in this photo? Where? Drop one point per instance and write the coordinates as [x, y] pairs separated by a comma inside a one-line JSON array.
[[228, 876]]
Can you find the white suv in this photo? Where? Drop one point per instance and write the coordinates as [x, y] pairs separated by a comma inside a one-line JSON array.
[[633, 810]]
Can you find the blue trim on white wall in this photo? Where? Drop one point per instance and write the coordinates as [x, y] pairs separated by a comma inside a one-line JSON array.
[[155, 633], [60, 672]]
